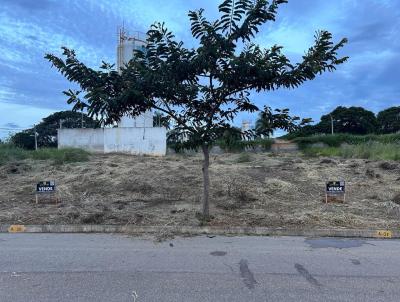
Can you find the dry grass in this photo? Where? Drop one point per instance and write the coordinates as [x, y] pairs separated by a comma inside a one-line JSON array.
[[276, 191]]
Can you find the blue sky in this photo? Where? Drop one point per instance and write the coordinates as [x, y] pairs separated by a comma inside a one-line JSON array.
[[30, 89]]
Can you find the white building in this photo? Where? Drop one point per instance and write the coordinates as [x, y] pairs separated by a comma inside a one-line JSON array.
[[133, 135]]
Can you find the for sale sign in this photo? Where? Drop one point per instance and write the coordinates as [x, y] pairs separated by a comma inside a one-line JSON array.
[[46, 191], [46, 187], [335, 187], [335, 191]]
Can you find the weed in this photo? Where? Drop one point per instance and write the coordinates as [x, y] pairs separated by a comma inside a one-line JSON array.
[[203, 221], [136, 186], [396, 198], [94, 218], [238, 190], [244, 158], [387, 166]]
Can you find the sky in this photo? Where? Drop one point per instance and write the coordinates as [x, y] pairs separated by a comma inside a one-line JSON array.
[[30, 89]]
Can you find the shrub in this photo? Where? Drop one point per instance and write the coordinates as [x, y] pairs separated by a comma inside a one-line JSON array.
[[24, 139], [244, 158]]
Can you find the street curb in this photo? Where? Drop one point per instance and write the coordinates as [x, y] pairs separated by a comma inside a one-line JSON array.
[[194, 230]]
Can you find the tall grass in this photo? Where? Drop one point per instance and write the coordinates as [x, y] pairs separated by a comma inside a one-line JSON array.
[[61, 156], [10, 153], [369, 150], [339, 139]]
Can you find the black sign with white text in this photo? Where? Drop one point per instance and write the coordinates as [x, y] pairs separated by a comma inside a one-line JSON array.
[[46, 187], [335, 187]]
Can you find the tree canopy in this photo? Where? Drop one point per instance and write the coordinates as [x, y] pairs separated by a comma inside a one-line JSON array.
[[202, 89], [389, 120], [47, 129], [268, 121], [353, 120]]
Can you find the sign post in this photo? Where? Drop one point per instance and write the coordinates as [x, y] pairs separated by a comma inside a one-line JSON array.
[[47, 188], [335, 191]]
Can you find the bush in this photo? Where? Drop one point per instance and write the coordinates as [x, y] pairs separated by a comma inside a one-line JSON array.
[[244, 158], [24, 140]]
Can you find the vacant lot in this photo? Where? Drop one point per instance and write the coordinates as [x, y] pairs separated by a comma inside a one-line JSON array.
[[246, 189]]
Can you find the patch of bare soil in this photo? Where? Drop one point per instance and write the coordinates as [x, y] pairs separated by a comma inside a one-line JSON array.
[[270, 190]]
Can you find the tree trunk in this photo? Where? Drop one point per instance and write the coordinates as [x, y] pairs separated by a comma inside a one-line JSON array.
[[206, 182]]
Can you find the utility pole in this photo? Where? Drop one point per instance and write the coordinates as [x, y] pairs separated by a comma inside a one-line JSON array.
[[331, 122], [35, 134]]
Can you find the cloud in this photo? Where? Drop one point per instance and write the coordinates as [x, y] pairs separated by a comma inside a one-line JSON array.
[[29, 29], [11, 125]]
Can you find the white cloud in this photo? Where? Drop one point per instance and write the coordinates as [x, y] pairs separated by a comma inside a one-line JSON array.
[[25, 42]]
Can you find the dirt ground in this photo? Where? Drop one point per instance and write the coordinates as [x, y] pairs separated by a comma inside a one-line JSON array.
[[263, 189]]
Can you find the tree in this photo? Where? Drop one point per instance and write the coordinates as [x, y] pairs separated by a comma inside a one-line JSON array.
[[161, 120], [389, 120], [268, 121], [24, 139], [47, 129], [230, 138], [353, 120], [202, 89]]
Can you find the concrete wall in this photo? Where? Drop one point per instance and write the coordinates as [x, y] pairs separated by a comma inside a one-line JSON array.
[[87, 139], [143, 120], [149, 141]]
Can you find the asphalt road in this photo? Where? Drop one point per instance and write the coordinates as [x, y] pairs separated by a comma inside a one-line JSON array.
[[72, 267]]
